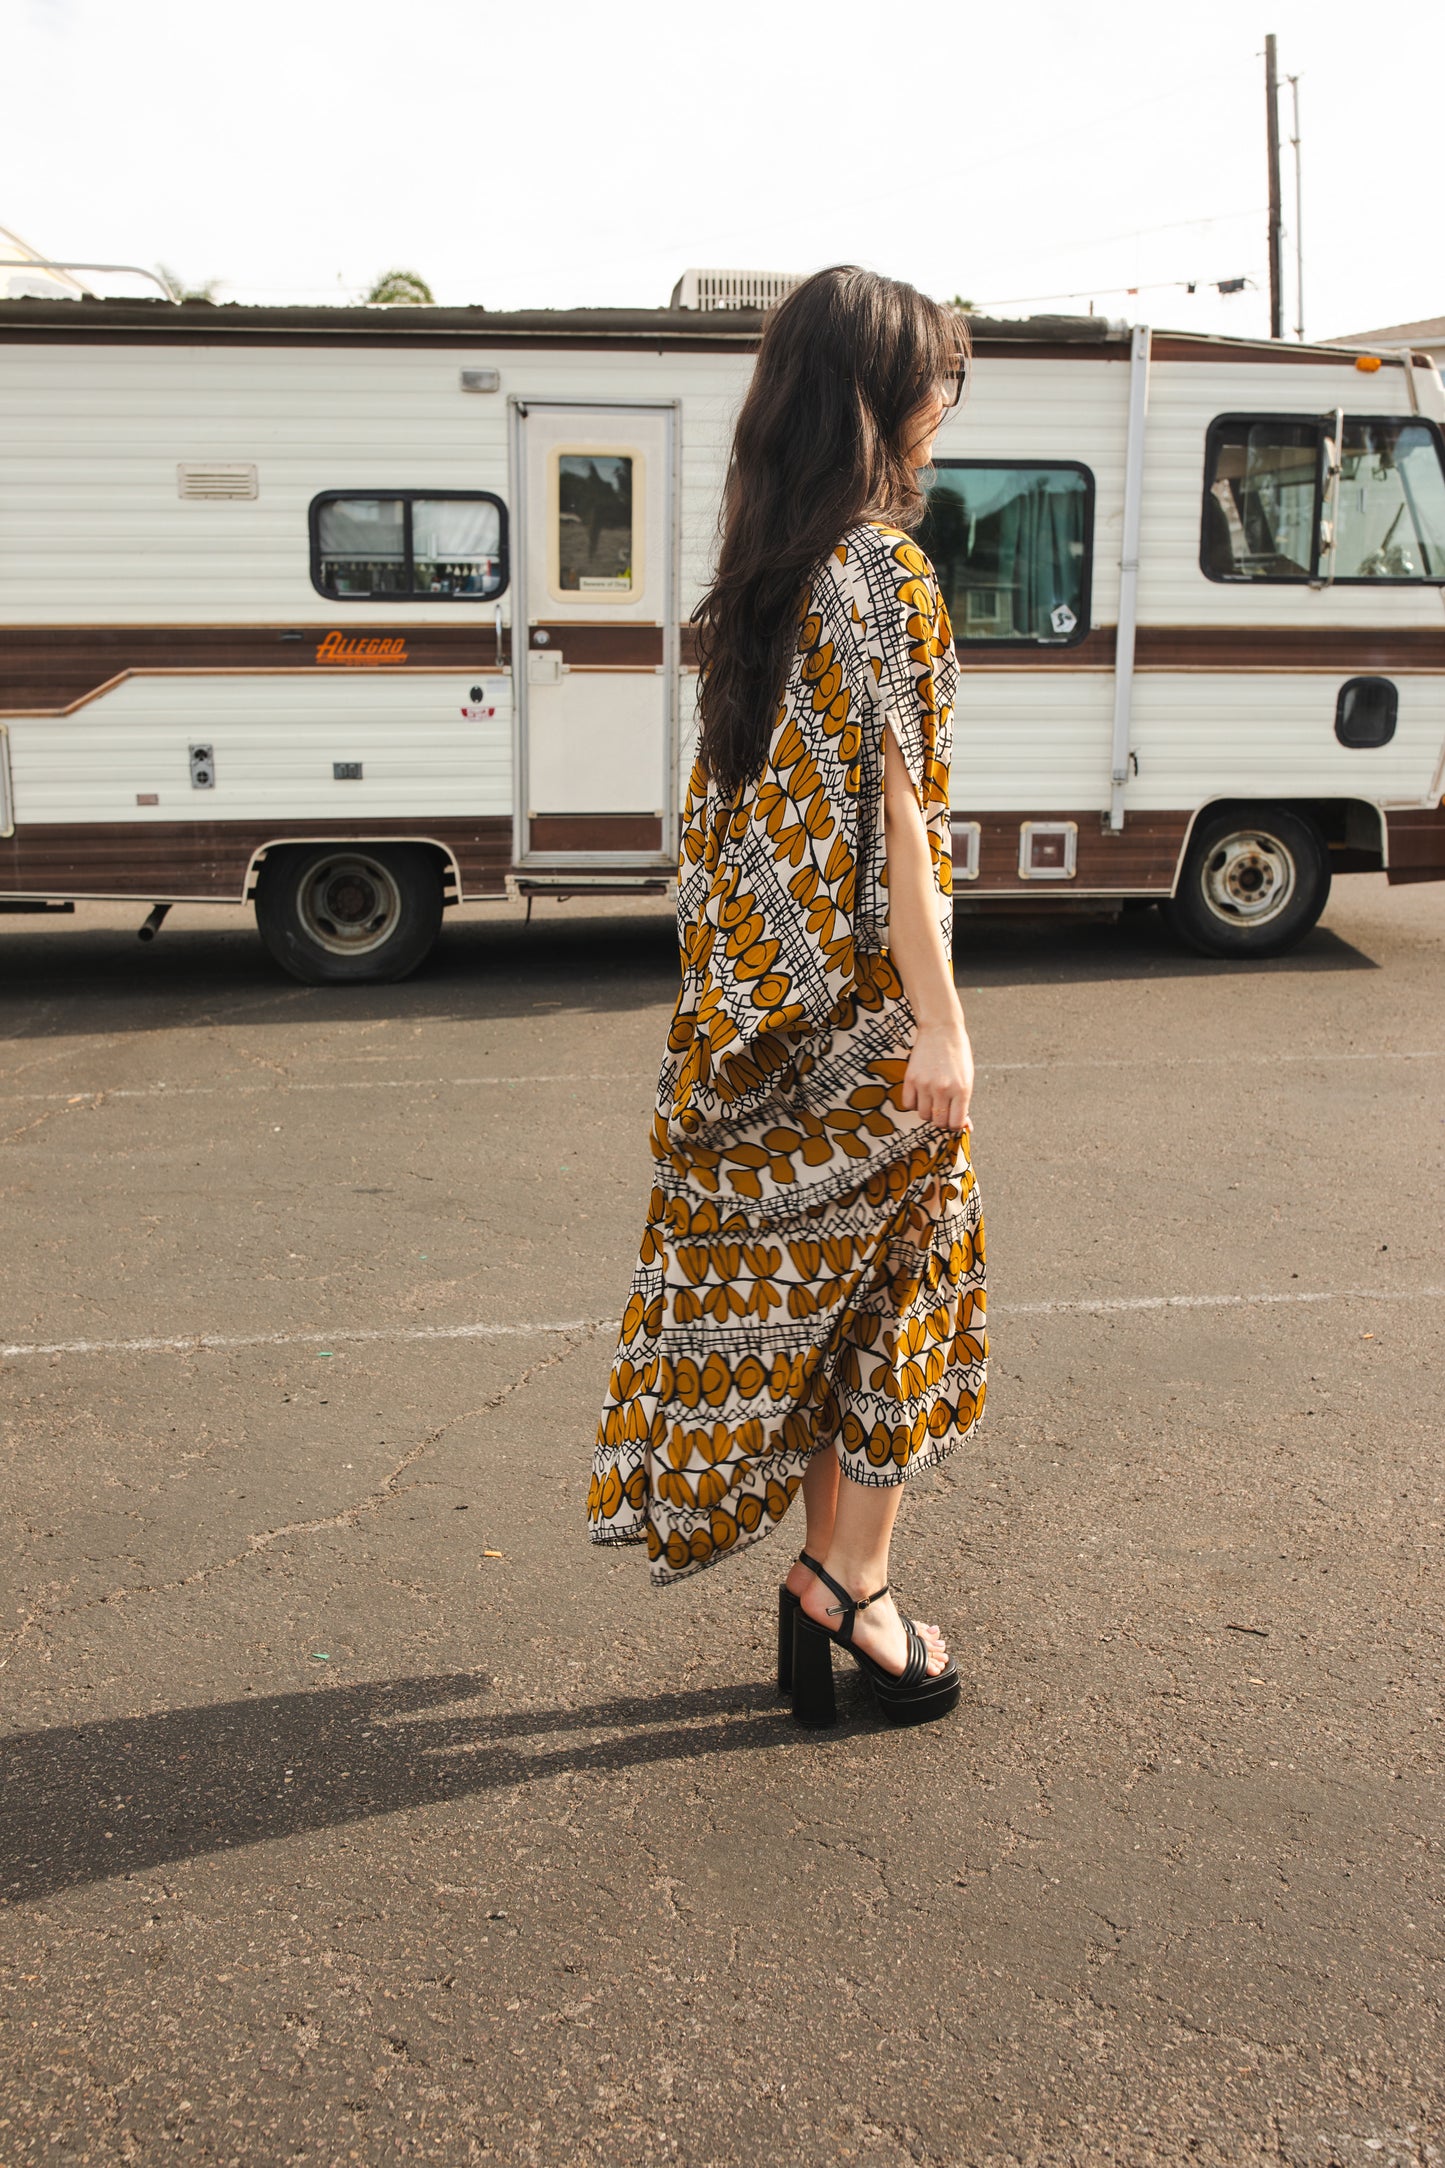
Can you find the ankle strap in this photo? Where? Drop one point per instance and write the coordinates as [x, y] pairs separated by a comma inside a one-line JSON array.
[[847, 1607]]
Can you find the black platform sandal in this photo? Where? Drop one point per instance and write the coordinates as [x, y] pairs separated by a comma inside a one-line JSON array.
[[911, 1696], [787, 1612]]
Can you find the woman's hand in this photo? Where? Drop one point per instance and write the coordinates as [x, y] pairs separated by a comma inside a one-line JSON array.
[[938, 1082]]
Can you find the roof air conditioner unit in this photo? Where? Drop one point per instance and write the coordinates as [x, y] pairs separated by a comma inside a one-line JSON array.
[[733, 289]]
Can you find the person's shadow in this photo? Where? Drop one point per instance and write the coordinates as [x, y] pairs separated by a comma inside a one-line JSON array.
[[82, 1802]]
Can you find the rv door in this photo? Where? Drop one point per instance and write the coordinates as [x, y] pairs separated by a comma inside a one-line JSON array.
[[596, 647]]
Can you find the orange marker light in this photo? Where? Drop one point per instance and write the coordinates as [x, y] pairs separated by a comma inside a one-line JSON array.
[[1368, 362]]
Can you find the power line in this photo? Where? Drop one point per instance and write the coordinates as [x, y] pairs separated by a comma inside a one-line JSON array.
[[1234, 285]]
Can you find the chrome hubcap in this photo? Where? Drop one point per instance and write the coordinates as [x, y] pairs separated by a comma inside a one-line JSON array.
[[349, 905], [1248, 878]]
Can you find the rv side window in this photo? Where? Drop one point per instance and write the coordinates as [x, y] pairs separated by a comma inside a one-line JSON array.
[[408, 546], [594, 535], [1261, 498], [1391, 513], [1011, 545]]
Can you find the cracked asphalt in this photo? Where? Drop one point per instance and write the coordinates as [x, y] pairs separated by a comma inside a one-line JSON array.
[[354, 1809]]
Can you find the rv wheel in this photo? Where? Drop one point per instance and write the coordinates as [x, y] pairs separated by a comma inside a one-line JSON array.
[[337, 913], [1255, 879]]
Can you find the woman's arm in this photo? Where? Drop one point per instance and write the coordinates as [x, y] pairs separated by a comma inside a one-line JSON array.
[[939, 1079]]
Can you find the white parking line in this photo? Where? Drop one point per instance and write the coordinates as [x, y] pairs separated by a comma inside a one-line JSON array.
[[348, 1335], [97, 1093], [1089, 1303], [344, 1335]]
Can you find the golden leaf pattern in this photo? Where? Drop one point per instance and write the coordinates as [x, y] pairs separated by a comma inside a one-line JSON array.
[[811, 1270]]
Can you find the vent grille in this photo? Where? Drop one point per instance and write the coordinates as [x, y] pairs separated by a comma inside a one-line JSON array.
[[733, 289], [218, 479]]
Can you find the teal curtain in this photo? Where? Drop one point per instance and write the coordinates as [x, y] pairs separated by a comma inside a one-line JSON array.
[[1008, 544]]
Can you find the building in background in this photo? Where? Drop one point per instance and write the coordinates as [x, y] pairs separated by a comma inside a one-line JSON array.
[[1426, 337]]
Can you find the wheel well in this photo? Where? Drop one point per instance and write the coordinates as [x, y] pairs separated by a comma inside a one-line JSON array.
[[448, 871], [1353, 828]]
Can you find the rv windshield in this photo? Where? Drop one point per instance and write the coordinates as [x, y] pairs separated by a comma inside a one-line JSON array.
[[1010, 545], [1391, 504], [1266, 511]]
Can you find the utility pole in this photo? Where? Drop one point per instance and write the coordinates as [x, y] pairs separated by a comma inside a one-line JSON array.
[[1299, 245], [1276, 247]]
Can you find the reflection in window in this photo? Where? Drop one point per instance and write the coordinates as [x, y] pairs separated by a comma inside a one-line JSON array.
[[1391, 511], [594, 523], [442, 549], [363, 546], [1260, 493], [1010, 546]]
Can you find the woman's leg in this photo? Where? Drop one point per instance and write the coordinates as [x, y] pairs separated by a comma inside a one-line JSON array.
[[820, 1499], [857, 1557]]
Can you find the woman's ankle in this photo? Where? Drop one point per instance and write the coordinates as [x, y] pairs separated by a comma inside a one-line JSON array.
[[862, 1573]]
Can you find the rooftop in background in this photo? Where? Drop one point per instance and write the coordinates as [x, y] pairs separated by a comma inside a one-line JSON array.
[[1428, 335], [657, 331], [660, 329]]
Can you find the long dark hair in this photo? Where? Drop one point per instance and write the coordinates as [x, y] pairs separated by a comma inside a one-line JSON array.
[[846, 361]]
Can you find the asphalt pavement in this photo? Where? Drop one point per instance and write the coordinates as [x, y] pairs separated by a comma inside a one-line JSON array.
[[353, 1808]]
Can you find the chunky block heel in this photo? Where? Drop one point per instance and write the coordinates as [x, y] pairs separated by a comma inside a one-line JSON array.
[[912, 1696], [788, 1606], [814, 1698]]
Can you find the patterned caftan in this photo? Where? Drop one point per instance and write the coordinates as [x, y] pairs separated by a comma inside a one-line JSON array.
[[811, 1273]]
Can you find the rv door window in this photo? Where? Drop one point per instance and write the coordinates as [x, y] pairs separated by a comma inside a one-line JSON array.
[[1391, 515], [594, 524], [408, 546], [1011, 545]]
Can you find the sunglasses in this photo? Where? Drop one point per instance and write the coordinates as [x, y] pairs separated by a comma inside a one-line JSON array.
[[950, 384]]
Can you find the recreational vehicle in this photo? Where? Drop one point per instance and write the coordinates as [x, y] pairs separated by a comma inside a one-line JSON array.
[[356, 613]]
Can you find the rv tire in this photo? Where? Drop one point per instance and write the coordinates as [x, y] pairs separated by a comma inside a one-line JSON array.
[[1254, 881], [340, 914]]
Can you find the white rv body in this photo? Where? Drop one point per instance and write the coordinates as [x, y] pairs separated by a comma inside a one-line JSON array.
[[184, 701]]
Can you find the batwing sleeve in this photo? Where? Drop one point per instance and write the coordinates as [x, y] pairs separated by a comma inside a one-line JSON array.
[[904, 634]]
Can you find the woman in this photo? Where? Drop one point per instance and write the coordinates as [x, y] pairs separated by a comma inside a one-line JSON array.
[[807, 1311]]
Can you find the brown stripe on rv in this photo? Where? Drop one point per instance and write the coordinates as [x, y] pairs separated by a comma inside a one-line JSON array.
[[638, 832], [601, 647], [1343, 649], [1417, 843], [49, 668], [208, 859], [1141, 857]]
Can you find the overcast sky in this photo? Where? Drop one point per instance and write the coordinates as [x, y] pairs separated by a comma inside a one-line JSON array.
[[551, 153]]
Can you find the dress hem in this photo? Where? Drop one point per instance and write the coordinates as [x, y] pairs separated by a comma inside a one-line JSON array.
[[663, 1576]]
